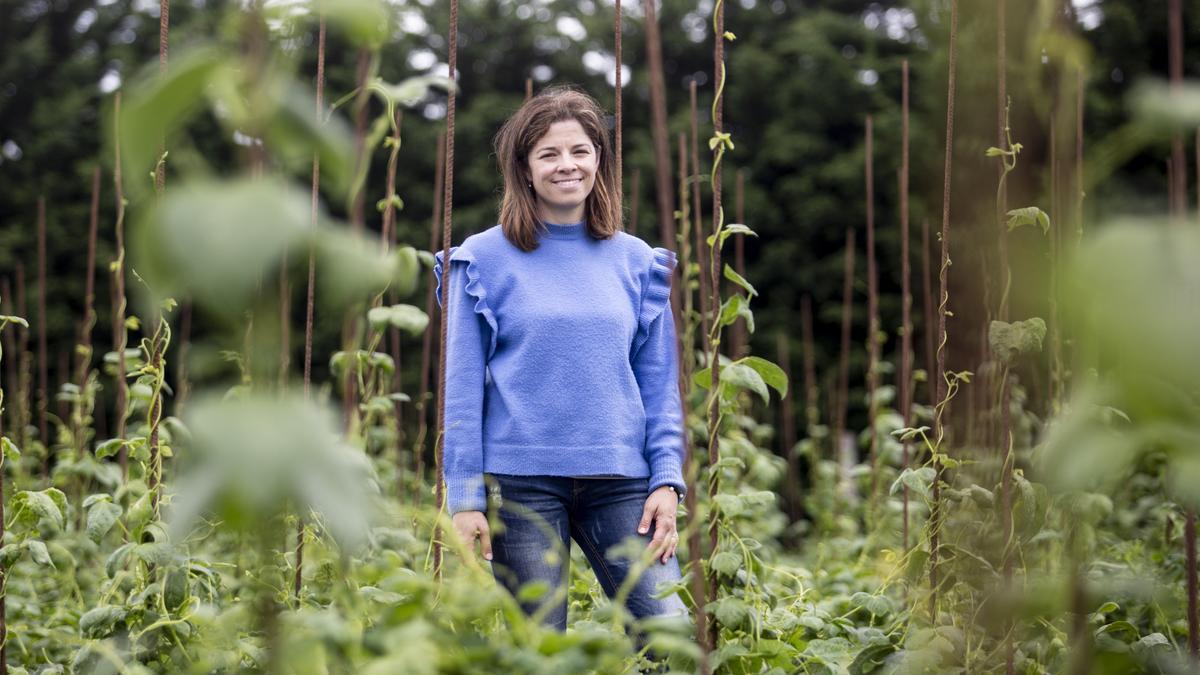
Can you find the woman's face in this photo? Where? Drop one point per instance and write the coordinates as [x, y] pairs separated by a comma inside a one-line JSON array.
[[562, 169]]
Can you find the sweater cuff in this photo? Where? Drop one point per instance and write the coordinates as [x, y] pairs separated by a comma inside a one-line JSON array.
[[465, 493], [667, 470]]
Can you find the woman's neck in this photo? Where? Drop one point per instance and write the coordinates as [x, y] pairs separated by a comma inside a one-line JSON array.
[[560, 217]]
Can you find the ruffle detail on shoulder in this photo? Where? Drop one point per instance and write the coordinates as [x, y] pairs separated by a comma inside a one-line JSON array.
[[474, 288], [656, 295]]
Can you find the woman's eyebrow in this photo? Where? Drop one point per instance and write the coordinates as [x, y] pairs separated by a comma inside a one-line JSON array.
[[551, 147]]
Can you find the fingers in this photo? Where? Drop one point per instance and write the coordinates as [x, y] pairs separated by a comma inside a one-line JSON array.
[[666, 537], [471, 527], [662, 545], [666, 525], [647, 514], [485, 541]]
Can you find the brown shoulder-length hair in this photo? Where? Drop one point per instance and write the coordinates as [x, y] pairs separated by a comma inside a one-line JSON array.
[[513, 143]]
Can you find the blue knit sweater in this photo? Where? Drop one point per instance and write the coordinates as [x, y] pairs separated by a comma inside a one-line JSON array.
[[560, 361]]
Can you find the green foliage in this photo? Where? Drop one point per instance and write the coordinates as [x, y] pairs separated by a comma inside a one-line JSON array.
[[1029, 216], [254, 457], [408, 318], [1009, 340]]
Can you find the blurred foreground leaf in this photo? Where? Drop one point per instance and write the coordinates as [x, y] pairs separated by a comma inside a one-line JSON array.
[[216, 241], [1132, 299], [258, 457]]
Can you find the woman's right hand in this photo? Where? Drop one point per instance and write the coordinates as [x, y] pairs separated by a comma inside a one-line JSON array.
[[472, 525]]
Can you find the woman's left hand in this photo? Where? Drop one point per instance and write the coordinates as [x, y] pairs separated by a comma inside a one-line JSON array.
[[661, 507]]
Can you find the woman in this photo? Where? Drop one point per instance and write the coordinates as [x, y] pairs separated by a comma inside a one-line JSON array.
[[561, 372]]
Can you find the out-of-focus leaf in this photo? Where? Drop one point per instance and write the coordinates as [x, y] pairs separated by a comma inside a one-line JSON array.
[[11, 453], [294, 135], [1009, 340], [259, 457], [158, 105], [918, 480], [726, 563], [410, 91], [732, 612], [215, 240], [407, 271], [1030, 215], [99, 622], [101, 518], [366, 22], [408, 318], [37, 552], [1159, 106], [42, 507], [351, 266]]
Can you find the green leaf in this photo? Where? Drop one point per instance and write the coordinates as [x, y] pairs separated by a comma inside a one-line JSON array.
[[726, 562], [410, 91], [263, 456], [215, 240], [175, 587], [981, 496], [160, 104], [37, 551], [1030, 215], [736, 278], [1009, 340], [109, 448], [92, 500], [10, 451], [918, 480], [354, 266], [730, 230], [875, 604], [1161, 108], [1120, 628], [116, 559], [295, 135], [46, 506], [101, 622], [909, 433], [732, 612], [772, 374], [366, 22], [101, 518], [736, 306], [723, 139], [10, 554], [406, 262], [155, 554], [743, 376], [408, 318], [533, 590]]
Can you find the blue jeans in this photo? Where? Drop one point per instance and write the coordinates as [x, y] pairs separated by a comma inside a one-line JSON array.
[[539, 517]]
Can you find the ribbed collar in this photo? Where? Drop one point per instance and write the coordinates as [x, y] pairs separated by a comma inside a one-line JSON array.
[[566, 231]]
